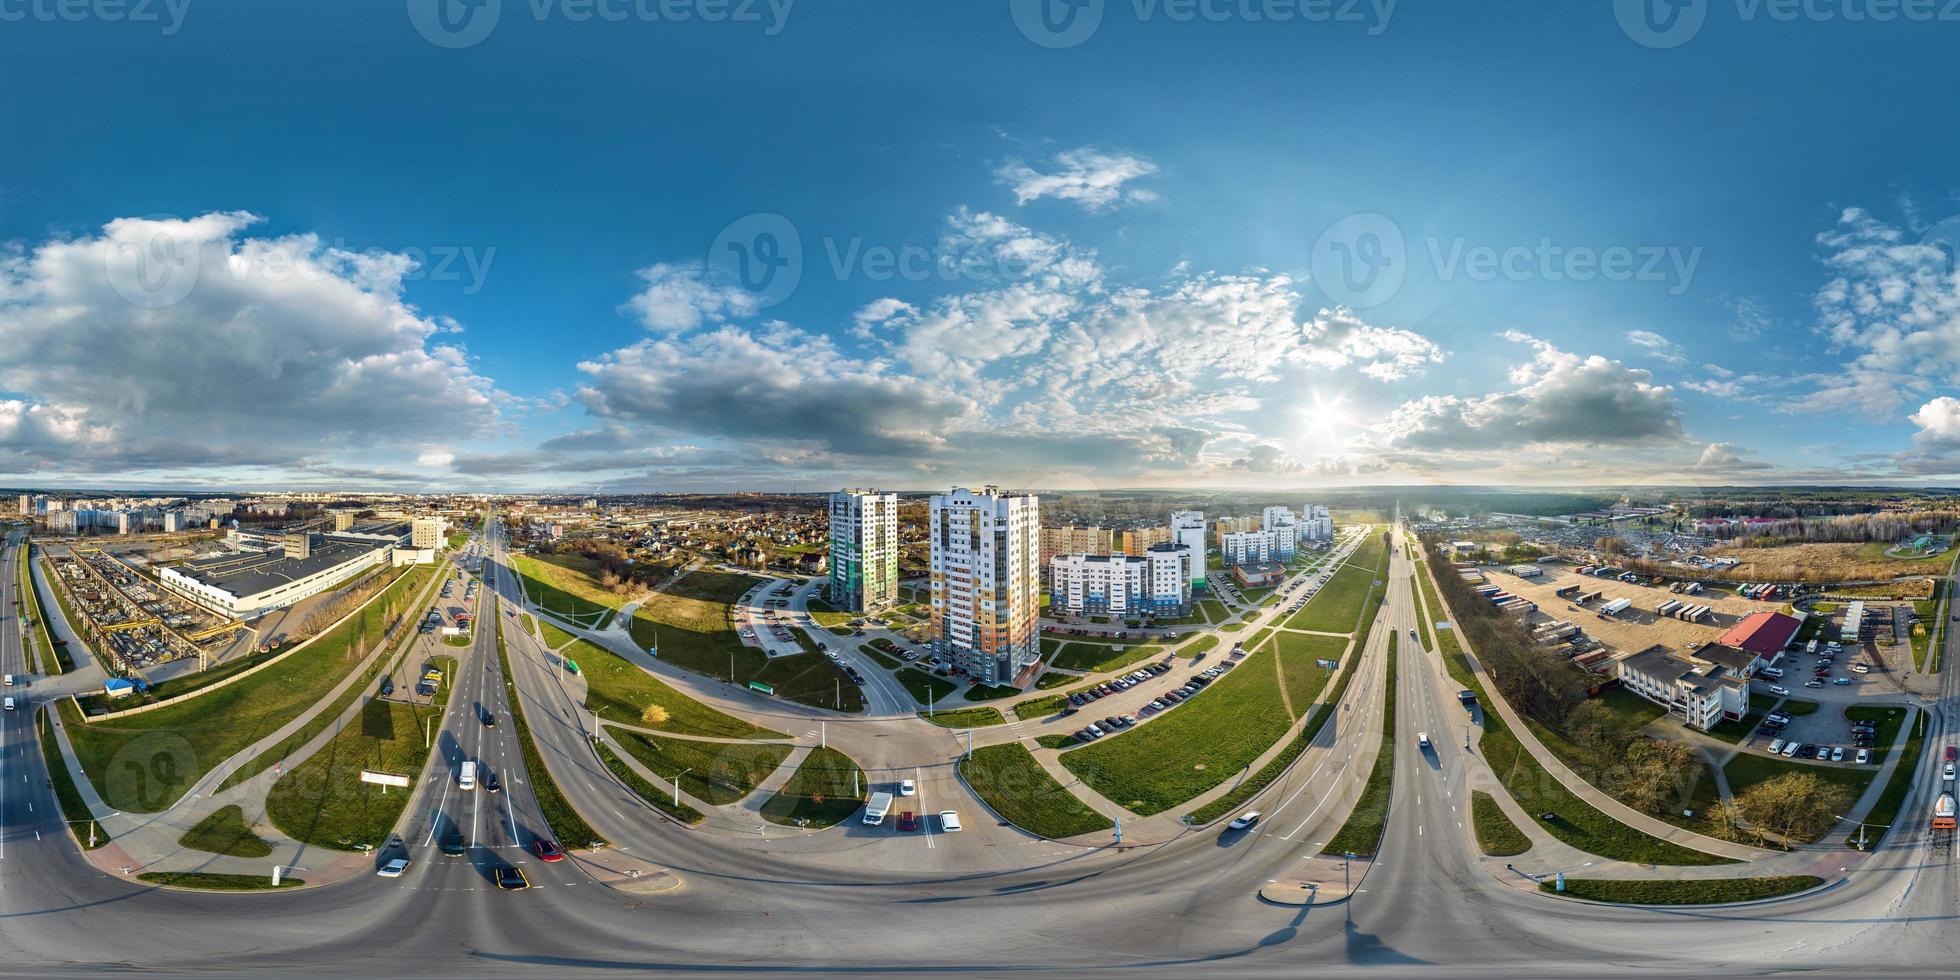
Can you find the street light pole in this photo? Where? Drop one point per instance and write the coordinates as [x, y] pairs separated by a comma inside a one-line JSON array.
[[677, 785]]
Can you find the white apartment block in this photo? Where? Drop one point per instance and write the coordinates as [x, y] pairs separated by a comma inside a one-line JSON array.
[[863, 550], [1153, 583], [1188, 529], [426, 532], [1283, 527], [1246, 547], [1315, 523], [986, 582]]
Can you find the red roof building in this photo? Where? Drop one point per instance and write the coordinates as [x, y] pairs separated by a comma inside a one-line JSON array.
[[1764, 634]]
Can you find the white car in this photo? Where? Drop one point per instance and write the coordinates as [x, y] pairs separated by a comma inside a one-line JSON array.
[[1422, 740], [906, 787], [394, 868], [949, 821], [1837, 753], [1782, 692], [1948, 774], [1244, 821], [1864, 756]]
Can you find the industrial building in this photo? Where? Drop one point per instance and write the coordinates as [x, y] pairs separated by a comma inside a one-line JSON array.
[[1154, 583], [1765, 634], [986, 582], [863, 550], [249, 583]]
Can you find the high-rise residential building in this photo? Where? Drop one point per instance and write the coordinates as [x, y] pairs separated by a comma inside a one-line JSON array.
[[1315, 523], [986, 582], [425, 532], [863, 550], [1234, 525], [1284, 528], [1139, 540], [1153, 583], [1188, 529], [1246, 547], [1072, 540]]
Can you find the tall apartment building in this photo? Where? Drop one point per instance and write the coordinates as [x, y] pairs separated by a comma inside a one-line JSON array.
[[863, 550], [1072, 540], [1234, 525], [1139, 540], [1246, 547], [986, 582], [1284, 528], [1153, 583], [1188, 529], [1315, 523]]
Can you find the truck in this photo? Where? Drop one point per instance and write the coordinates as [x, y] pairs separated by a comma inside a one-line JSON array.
[[1943, 812], [466, 777], [876, 808]]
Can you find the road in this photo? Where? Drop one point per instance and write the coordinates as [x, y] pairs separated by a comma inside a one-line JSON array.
[[1186, 908]]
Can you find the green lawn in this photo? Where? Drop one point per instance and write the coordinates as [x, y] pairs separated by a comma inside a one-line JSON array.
[[143, 763], [826, 788], [1213, 610], [1885, 810], [965, 717], [689, 621], [885, 660], [208, 881], [1205, 741], [1203, 642], [1338, 604], [567, 826], [73, 808], [926, 688], [1362, 832], [988, 692], [1748, 769], [226, 832], [323, 801], [1888, 718], [1733, 732], [1303, 677], [620, 691], [553, 636], [1496, 834], [660, 798], [1017, 788], [714, 772], [1094, 658], [566, 586], [1704, 891], [54, 660]]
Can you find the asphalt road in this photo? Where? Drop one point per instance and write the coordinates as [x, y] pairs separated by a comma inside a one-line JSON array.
[[1183, 909]]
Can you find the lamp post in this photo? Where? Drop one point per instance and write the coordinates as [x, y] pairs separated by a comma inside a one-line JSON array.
[[677, 785], [1861, 829]]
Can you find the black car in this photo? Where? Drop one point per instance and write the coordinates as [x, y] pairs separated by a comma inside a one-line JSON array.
[[489, 719], [490, 782], [452, 844]]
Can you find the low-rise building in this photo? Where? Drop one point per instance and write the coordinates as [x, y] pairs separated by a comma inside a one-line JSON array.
[[1702, 690]]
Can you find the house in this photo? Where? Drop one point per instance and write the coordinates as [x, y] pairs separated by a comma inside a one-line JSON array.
[[1702, 694]]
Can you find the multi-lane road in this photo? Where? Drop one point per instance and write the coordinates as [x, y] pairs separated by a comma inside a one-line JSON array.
[[1182, 908]]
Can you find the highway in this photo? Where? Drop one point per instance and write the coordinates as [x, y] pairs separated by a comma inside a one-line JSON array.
[[824, 903]]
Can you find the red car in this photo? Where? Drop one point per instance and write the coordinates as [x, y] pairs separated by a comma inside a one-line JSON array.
[[548, 851], [908, 822], [1953, 753]]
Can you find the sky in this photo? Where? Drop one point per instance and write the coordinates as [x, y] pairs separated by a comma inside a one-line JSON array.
[[705, 245]]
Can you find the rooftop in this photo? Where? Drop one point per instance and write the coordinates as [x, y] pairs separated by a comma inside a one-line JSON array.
[[250, 573], [1763, 633]]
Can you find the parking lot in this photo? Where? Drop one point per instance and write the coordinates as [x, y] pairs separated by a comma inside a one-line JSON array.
[[1636, 628], [1825, 729]]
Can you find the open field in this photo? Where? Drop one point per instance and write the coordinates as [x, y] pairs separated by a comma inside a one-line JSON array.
[[1304, 678], [1820, 562], [826, 788], [566, 586], [1200, 744], [689, 623], [145, 762], [1017, 788]]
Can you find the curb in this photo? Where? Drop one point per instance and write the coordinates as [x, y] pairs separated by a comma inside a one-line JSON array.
[[1828, 885]]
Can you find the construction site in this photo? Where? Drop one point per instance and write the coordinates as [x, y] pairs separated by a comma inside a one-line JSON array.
[[132, 622]]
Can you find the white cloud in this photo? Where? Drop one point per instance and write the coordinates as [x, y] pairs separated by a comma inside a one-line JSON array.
[[1938, 421], [679, 297], [1089, 177], [1660, 347], [1894, 306]]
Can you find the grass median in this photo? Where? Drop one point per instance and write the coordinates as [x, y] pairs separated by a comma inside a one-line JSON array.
[[654, 796], [1017, 788], [825, 790], [965, 717], [1497, 836], [568, 828], [74, 809], [1696, 891], [212, 882], [323, 800], [1885, 810], [226, 832], [713, 772], [621, 691], [1362, 833]]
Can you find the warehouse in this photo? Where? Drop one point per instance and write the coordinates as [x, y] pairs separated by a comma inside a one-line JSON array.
[[1764, 634], [249, 584]]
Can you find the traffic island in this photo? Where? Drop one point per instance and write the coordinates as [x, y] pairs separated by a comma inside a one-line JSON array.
[[1322, 880], [622, 873]]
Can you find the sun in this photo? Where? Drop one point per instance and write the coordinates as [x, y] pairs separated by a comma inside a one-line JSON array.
[[1325, 424]]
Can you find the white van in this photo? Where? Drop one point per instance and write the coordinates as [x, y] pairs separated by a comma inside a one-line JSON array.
[[10, 704], [466, 777], [876, 808], [1771, 672], [10, 680]]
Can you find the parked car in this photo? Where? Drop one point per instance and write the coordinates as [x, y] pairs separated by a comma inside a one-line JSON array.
[[1864, 756], [907, 788], [1837, 753], [1782, 692]]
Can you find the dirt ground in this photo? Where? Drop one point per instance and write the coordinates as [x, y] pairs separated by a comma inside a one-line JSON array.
[[1825, 563], [1634, 629]]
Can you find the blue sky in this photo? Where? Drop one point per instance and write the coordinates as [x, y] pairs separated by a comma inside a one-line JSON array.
[[256, 244]]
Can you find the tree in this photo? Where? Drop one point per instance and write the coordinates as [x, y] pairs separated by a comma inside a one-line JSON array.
[[654, 716], [1659, 774], [1795, 806]]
